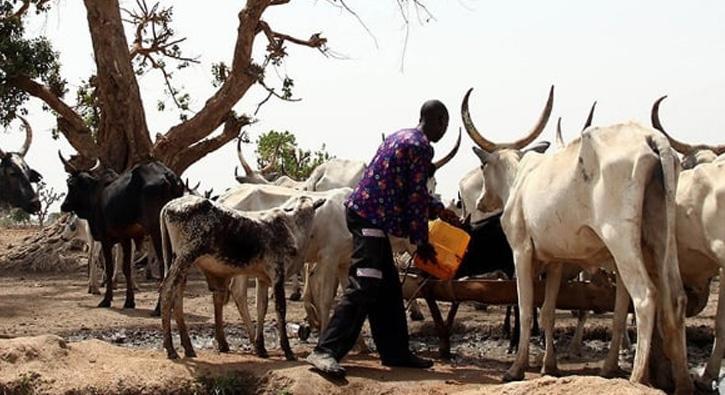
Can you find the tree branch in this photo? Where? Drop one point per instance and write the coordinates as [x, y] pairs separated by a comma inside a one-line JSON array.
[[242, 76], [232, 129], [22, 10], [271, 92], [69, 122], [276, 40]]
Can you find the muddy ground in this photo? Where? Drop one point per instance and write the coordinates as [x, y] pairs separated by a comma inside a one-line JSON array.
[[53, 339]]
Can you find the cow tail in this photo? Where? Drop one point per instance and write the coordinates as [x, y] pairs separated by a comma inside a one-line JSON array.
[[166, 248], [670, 268]]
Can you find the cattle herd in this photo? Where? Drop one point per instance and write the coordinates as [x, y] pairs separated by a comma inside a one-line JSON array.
[[627, 199]]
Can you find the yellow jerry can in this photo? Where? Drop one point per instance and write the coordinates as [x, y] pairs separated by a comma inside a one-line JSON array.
[[450, 244]]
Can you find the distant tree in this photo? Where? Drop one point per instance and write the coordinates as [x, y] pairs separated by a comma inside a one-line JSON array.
[[281, 148], [15, 216], [48, 196]]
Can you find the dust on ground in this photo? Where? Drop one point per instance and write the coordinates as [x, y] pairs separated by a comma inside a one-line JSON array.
[[57, 341]]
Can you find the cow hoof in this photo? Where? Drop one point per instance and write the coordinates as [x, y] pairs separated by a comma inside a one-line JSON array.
[[224, 348], [290, 356], [609, 373], [172, 355], [296, 296], [262, 352], [705, 385], [105, 303], [129, 305], [190, 354], [512, 376], [416, 316], [551, 371], [304, 332]]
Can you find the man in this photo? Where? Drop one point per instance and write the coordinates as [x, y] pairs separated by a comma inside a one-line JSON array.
[[391, 199]]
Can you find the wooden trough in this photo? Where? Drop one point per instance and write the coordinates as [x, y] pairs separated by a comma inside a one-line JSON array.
[[572, 296]]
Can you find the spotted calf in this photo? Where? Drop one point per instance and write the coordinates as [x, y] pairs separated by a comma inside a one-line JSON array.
[[224, 243]]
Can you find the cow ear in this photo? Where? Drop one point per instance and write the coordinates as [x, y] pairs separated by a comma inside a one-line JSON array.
[[35, 176], [538, 147], [482, 155], [318, 203]]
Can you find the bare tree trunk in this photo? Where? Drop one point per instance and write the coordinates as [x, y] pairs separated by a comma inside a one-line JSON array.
[[123, 135]]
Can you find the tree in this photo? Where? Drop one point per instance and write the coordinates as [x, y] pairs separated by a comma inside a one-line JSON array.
[[14, 217], [281, 148], [48, 196], [108, 121]]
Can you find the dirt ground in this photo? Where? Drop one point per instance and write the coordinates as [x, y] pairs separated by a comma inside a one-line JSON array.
[[53, 339]]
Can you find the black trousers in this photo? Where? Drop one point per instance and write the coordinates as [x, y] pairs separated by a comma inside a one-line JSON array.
[[374, 293]]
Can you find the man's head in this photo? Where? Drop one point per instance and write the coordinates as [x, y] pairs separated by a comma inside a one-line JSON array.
[[434, 119]]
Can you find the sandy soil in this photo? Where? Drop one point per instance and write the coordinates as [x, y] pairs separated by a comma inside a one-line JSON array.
[[57, 341]]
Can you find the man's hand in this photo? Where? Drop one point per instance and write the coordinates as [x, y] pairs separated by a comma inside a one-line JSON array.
[[427, 253], [450, 217]]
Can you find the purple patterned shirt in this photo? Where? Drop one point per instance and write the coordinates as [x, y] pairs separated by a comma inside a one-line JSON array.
[[393, 193]]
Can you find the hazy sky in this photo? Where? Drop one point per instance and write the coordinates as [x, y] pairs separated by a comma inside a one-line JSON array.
[[624, 54]]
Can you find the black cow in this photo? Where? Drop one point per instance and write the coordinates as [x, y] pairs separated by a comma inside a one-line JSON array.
[[488, 252], [16, 177], [120, 209]]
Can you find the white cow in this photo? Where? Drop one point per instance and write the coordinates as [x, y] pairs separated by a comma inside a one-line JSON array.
[[608, 194], [335, 173], [701, 232], [329, 247]]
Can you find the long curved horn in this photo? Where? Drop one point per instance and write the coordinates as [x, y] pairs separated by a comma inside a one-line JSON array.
[[471, 128], [559, 139], [588, 122], [443, 161], [28, 137], [679, 146], [245, 165], [518, 144], [68, 166]]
